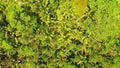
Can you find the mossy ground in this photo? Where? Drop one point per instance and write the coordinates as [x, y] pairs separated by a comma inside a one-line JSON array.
[[52, 34]]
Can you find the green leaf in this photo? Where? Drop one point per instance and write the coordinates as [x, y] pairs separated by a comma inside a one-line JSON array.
[[6, 45], [79, 6], [69, 65], [25, 17], [26, 51], [19, 26], [117, 62]]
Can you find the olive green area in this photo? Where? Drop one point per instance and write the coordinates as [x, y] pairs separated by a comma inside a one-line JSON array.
[[49, 34]]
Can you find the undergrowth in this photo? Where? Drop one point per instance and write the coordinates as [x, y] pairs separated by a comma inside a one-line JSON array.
[[59, 34]]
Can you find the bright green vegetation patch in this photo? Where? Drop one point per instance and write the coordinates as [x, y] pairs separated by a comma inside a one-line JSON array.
[[51, 34], [104, 19]]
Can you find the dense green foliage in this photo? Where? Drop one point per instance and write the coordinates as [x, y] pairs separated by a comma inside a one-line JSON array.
[[49, 34]]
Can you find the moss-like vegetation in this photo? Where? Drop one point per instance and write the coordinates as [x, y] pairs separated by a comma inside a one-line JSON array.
[[59, 34]]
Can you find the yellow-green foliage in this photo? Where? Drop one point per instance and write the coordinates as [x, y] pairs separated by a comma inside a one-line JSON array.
[[48, 34], [79, 6]]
